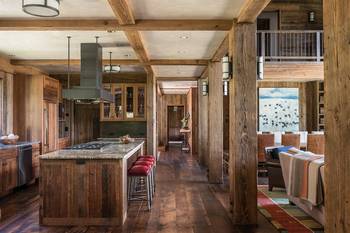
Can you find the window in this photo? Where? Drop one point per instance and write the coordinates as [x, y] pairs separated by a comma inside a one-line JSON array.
[[278, 109]]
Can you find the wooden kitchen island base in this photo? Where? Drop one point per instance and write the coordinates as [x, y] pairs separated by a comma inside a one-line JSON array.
[[84, 191]]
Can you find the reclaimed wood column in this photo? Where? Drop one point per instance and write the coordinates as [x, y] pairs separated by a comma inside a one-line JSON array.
[[215, 120], [151, 115], [202, 125], [337, 115], [243, 136]]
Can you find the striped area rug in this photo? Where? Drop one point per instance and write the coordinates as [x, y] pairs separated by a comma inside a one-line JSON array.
[[285, 217]]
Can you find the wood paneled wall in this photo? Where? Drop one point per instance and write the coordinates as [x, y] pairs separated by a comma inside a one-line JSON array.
[[307, 104], [215, 126], [86, 122], [293, 14], [337, 115], [162, 111], [192, 106], [202, 126]]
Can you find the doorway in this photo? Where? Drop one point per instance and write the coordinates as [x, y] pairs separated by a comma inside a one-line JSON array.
[[175, 115]]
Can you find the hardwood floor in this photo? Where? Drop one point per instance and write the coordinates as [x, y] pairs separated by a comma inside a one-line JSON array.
[[184, 202]]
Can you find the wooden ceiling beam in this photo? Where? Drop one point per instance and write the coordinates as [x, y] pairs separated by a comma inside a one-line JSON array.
[[113, 25], [124, 15], [251, 10], [162, 79], [76, 62]]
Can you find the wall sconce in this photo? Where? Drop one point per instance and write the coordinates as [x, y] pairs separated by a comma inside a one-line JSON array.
[[260, 68], [225, 88], [311, 16], [205, 88], [226, 68], [226, 73]]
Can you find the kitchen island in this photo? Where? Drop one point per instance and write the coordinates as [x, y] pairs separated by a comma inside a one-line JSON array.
[[86, 185]]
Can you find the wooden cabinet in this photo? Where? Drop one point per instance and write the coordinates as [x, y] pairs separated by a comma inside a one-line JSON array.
[[8, 169], [50, 127], [129, 105], [36, 110], [35, 159]]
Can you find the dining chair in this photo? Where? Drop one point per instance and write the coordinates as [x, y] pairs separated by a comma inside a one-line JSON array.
[[315, 143], [292, 139]]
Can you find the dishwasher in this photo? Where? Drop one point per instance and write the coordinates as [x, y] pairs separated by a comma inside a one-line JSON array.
[[25, 168]]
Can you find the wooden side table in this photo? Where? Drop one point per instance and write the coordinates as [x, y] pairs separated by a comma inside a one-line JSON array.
[[185, 145]]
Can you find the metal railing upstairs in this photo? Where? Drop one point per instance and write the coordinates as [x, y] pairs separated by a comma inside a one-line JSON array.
[[290, 46]]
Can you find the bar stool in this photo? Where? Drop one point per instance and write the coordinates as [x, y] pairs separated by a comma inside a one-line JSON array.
[[136, 174], [150, 164], [153, 159]]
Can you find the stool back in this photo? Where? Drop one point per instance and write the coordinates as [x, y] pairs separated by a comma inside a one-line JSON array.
[[264, 140], [315, 143], [291, 139]]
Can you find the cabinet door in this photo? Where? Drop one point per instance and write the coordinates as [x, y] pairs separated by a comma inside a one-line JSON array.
[[129, 102], [118, 102], [140, 101], [50, 124], [9, 173], [106, 108]]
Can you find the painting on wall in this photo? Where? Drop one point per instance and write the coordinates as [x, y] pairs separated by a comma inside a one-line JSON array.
[[278, 109]]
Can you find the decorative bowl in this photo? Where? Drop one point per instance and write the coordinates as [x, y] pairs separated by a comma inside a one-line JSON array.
[[10, 141]]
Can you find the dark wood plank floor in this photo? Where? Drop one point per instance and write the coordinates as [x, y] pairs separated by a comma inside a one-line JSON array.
[[184, 202]]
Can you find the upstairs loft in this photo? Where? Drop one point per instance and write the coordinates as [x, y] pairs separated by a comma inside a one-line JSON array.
[[290, 45]]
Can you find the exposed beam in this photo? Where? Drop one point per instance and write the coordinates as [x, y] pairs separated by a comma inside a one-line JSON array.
[[251, 10], [113, 25], [293, 72], [177, 78], [122, 11], [124, 15], [221, 51], [28, 70], [53, 62]]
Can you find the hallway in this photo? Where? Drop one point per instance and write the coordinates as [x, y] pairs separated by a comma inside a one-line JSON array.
[[184, 203]]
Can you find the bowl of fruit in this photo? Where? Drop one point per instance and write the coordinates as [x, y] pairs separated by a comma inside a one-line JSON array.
[[10, 139]]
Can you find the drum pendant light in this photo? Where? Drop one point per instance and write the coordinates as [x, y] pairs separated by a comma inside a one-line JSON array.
[[41, 8]]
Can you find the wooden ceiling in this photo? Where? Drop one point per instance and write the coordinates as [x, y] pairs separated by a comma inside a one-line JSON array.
[[168, 38]]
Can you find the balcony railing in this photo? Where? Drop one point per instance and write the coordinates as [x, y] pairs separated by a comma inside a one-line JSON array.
[[289, 46]]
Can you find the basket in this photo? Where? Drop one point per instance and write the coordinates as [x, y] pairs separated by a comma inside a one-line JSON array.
[[9, 141]]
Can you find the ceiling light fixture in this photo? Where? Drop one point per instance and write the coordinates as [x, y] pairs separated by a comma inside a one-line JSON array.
[[41, 8], [111, 68]]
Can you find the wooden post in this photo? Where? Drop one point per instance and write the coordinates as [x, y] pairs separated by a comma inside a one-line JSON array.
[[151, 115], [202, 125], [337, 114], [243, 136], [215, 119]]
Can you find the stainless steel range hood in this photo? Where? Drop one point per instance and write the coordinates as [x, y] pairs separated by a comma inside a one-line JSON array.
[[90, 89]]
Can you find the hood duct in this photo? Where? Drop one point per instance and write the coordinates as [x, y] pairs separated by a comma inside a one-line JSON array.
[[90, 89]]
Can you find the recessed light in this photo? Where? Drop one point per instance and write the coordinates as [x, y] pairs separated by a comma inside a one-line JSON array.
[[185, 36], [127, 55], [181, 51]]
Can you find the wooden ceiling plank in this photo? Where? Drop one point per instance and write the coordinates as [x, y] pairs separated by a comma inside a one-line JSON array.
[[251, 10]]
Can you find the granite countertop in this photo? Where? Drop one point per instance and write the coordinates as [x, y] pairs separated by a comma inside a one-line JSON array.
[[18, 144], [115, 150]]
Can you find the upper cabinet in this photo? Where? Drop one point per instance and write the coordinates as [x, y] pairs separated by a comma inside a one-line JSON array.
[[129, 103]]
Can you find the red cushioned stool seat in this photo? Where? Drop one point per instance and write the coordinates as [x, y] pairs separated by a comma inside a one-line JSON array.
[[145, 163], [147, 157], [139, 170]]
